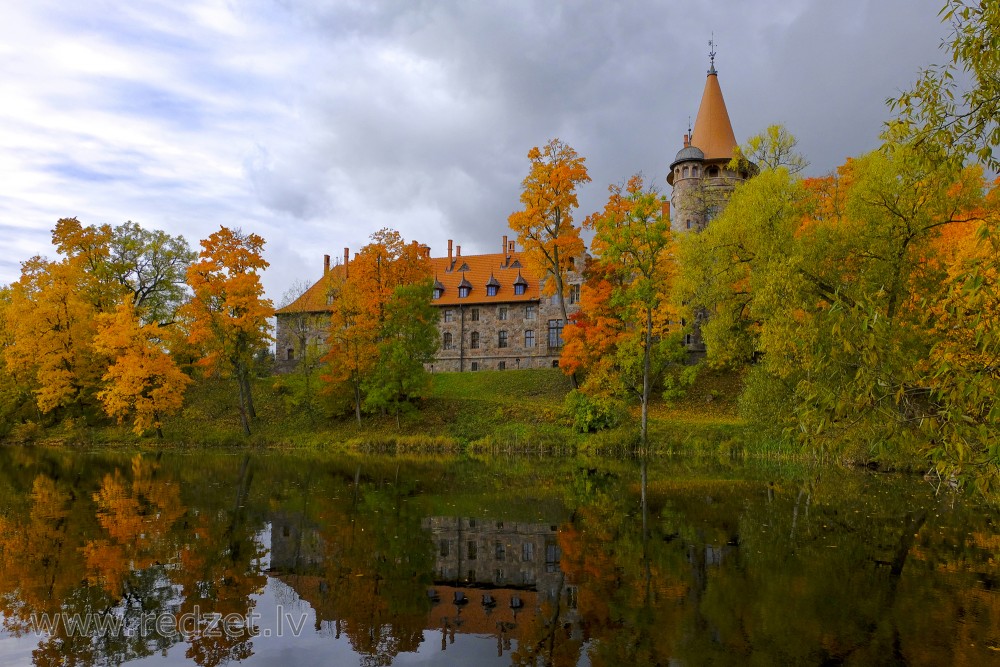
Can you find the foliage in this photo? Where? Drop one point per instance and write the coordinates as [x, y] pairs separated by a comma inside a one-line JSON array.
[[938, 115], [594, 413], [622, 335], [845, 291], [227, 314], [382, 327], [408, 340], [144, 379], [544, 227]]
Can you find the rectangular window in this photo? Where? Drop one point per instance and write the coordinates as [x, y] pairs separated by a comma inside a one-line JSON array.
[[527, 551], [444, 548], [502, 366], [474, 316], [475, 365], [501, 339], [474, 340], [449, 315], [529, 338], [502, 313], [290, 354], [574, 294], [500, 551], [529, 312], [472, 550], [448, 342], [555, 333]]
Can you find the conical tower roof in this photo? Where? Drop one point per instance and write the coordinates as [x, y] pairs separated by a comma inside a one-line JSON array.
[[713, 133]]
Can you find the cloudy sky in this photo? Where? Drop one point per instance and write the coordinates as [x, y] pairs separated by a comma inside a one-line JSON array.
[[316, 122]]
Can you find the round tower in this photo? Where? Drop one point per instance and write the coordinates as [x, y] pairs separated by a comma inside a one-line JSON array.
[[700, 174]]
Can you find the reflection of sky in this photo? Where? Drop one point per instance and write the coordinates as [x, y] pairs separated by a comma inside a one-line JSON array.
[[280, 606]]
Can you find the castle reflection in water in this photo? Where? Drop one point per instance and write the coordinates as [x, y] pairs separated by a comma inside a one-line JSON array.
[[489, 577]]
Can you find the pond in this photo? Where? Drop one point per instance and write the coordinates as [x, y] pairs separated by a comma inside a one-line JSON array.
[[308, 559]]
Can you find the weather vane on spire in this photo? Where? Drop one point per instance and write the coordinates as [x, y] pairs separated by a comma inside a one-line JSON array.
[[711, 54]]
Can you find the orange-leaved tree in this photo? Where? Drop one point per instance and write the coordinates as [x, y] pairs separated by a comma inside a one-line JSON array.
[[228, 313], [362, 296], [544, 227], [144, 379]]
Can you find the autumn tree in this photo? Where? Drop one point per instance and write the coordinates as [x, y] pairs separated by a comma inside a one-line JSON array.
[[370, 299], [953, 108], [834, 288], [228, 312], [626, 312], [144, 380], [544, 227]]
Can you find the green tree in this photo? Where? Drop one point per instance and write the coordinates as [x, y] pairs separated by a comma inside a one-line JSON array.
[[408, 339], [633, 250], [952, 110]]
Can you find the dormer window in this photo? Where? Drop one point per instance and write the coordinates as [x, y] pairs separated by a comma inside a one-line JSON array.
[[520, 285], [493, 286], [438, 289], [464, 288]]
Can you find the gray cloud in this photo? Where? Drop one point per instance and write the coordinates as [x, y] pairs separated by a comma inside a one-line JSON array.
[[315, 124]]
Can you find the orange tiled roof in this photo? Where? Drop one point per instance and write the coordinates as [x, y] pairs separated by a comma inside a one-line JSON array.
[[313, 300], [504, 268], [479, 270]]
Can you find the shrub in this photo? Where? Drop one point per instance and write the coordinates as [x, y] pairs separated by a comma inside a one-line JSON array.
[[593, 413]]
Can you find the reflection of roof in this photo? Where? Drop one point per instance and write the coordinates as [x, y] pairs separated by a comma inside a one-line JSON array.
[[713, 132], [475, 618]]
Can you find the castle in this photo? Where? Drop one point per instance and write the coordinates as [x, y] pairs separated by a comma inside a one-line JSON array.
[[493, 312]]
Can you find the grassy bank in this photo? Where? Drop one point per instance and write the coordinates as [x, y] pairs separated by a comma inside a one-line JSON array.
[[487, 412]]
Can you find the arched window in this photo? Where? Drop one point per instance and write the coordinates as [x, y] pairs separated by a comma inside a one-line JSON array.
[[685, 172], [713, 172]]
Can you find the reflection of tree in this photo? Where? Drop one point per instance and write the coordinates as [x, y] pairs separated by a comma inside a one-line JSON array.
[[219, 578], [376, 561], [137, 517]]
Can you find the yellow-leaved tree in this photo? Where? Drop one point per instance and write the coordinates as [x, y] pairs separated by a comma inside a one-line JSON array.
[[227, 314], [144, 381]]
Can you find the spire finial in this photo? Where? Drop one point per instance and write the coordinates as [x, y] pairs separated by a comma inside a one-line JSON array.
[[711, 54]]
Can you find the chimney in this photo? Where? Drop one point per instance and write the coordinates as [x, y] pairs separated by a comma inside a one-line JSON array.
[[450, 260], [347, 257], [458, 252], [503, 248], [687, 141], [510, 248], [326, 264], [666, 210]]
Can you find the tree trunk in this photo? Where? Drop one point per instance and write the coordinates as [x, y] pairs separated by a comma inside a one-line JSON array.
[[243, 407], [646, 373], [357, 402]]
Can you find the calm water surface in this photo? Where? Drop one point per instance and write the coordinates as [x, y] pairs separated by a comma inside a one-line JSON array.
[[267, 559]]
